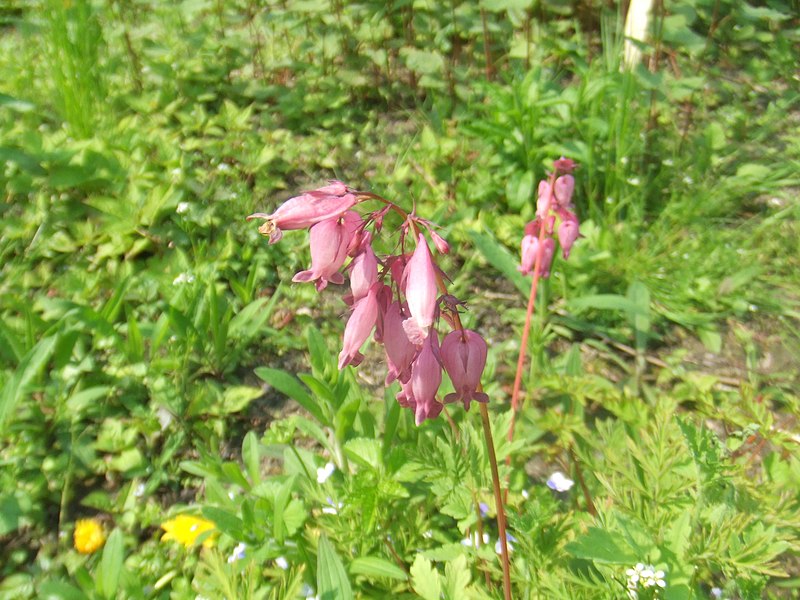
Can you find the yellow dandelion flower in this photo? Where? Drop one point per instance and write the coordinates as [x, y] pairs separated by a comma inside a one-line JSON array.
[[88, 536], [185, 529]]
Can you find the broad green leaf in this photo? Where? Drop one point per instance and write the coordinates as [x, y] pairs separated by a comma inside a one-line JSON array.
[[225, 521], [366, 452], [332, 581], [111, 565], [283, 382], [29, 367], [251, 456], [59, 590], [372, 566], [602, 546], [501, 259]]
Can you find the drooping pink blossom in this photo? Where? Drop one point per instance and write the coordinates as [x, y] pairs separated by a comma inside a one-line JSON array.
[[547, 250], [363, 273], [463, 354], [329, 240], [358, 328], [544, 199], [563, 188], [306, 210], [400, 352], [421, 292], [530, 246], [426, 377], [568, 232]]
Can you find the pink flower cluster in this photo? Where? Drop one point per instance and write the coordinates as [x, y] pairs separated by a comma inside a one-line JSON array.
[[399, 297], [554, 200]]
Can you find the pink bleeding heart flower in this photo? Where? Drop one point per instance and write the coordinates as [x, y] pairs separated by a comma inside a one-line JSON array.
[[547, 250], [530, 246], [363, 273], [464, 356], [543, 199], [421, 292], [400, 352], [329, 241], [358, 328], [306, 210], [563, 189], [426, 377], [568, 232], [405, 397]]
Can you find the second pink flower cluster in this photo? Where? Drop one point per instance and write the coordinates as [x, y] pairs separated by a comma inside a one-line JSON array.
[[554, 200], [399, 297]]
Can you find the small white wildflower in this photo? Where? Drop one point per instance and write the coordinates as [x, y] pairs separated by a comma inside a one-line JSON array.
[[645, 576], [238, 553], [688, 180], [307, 591], [559, 482], [427, 534], [231, 495], [282, 562], [182, 208], [525, 494], [333, 508], [668, 162], [223, 167], [164, 417], [473, 541], [633, 181], [716, 592], [498, 547], [138, 491], [610, 200], [324, 473], [183, 278], [624, 160]]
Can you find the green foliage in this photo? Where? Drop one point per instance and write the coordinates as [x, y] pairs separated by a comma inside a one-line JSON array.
[[155, 360]]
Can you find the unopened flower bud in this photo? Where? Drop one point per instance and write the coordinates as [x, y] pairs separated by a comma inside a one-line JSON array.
[[441, 244]]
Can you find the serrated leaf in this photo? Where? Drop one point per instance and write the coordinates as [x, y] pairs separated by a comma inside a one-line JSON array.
[[457, 577], [426, 580], [364, 451]]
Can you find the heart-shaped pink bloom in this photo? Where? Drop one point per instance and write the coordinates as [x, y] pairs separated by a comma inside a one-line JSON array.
[[548, 249], [306, 210], [464, 356], [563, 189], [568, 232], [329, 241], [421, 292], [530, 246], [358, 328], [363, 273], [544, 199], [400, 352], [426, 377]]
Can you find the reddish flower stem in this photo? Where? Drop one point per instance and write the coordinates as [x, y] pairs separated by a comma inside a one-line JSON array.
[[527, 329], [487, 427]]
